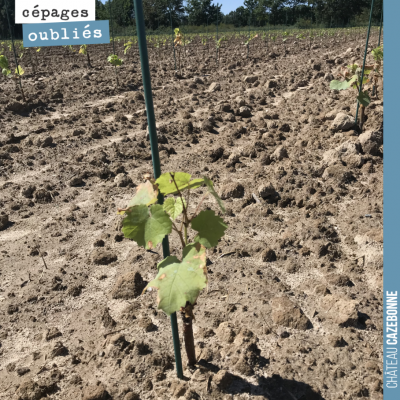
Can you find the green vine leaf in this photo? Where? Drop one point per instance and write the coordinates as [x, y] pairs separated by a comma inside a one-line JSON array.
[[19, 70], [146, 194], [167, 185], [173, 207], [365, 80], [352, 68], [210, 228], [167, 261], [181, 282], [4, 62], [115, 60], [83, 49], [211, 189], [338, 85], [195, 183], [364, 99], [146, 228], [377, 53]]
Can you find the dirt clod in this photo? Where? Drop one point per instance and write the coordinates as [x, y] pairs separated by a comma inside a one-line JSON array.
[[128, 286], [96, 392], [288, 314], [3, 222], [103, 257]]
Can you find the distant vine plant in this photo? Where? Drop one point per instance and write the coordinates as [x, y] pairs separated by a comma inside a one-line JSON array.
[[251, 37], [285, 36], [85, 51], [218, 44], [6, 71], [247, 43], [179, 281], [113, 59], [179, 41]]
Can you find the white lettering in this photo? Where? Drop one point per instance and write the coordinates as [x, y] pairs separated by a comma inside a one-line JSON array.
[[30, 36], [52, 35], [65, 33], [41, 34]]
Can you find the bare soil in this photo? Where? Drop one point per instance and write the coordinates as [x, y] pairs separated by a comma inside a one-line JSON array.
[[294, 304]]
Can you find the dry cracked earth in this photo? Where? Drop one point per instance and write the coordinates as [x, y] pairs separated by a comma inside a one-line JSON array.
[[294, 304]]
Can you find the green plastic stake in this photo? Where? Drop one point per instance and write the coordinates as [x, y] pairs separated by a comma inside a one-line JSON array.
[[112, 29], [379, 43], [112, 35], [217, 37], [144, 61], [365, 56], [13, 46], [248, 45], [172, 32]]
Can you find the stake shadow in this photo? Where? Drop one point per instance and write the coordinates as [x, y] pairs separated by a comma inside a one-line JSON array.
[[273, 388]]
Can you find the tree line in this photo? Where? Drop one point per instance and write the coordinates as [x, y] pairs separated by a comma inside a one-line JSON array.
[[161, 14]]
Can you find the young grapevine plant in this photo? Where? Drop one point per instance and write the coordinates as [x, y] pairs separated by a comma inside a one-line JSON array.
[[179, 41], [218, 44], [352, 79], [5, 68], [179, 280], [377, 53], [85, 51], [251, 37], [6, 71], [113, 59]]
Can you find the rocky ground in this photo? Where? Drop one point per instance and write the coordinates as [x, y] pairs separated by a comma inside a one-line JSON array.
[[294, 304]]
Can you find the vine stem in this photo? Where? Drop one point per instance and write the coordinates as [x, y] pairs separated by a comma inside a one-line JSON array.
[[187, 319], [185, 220], [179, 193], [187, 311], [179, 233]]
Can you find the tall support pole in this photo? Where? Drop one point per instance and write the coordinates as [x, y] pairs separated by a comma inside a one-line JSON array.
[[144, 61], [112, 34], [380, 29], [15, 54], [172, 32], [216, 59], [112, 27], [379, 43], [365, 56]]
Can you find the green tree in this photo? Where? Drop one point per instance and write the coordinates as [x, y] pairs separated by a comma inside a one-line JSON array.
[[101, 11], [240, 16], [250, 6], [157, 13], [202, 11], [122, 12], [4, 27], [338, 12]]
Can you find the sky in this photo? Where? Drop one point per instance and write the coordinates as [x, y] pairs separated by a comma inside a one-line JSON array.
[[227, 5], [230, 5]]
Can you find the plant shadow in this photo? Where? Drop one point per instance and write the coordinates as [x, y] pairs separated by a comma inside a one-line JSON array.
[[273, 388]]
